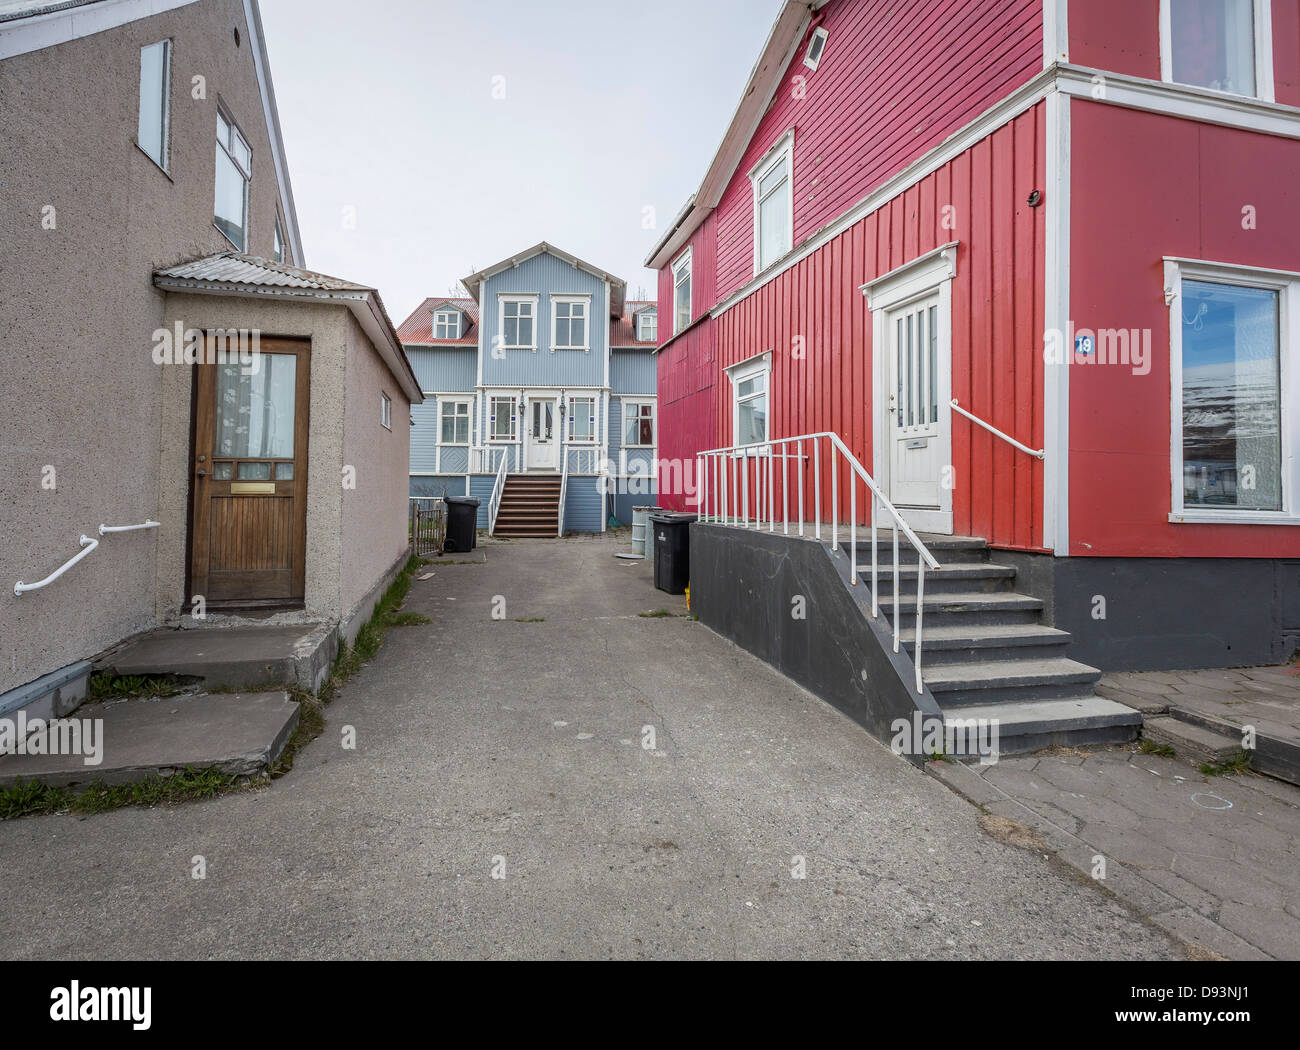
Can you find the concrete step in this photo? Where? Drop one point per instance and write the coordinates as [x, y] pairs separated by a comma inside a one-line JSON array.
[[966, 607], [1009, 681], [1036, 724], [964, 643], [954, 578], [238, 734], [951, 548], [1193, 743]]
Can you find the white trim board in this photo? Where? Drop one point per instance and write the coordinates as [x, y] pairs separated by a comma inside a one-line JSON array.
[[37, 32], [1056, 317]]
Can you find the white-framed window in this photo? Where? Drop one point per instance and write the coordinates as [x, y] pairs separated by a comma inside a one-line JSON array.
[[453, 422], [502, 419], [638, 424], [647, 326], [1234, 392], [1224, 45], [234, 171], [750, 398], [569, 327], [816, 45], [682, 291], [773, 185], [518, 322], [582, 419], [280, 250], [155, 101], [446, 324], [386, 411]]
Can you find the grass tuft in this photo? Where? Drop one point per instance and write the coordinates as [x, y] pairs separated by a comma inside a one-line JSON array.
[[1150, 747], [1231, 768]]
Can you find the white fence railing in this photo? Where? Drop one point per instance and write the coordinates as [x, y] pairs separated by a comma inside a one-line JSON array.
[[498, 488], [783, 484]]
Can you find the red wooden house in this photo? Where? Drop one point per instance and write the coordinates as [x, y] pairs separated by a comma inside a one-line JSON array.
[[1036, 266]]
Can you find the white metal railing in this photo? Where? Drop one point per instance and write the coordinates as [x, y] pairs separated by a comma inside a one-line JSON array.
[[1037, 453], [564, 485], [88, 546], [498, 487], [724, 491]]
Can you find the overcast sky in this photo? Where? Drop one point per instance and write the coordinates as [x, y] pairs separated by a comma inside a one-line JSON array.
[[609, 107]]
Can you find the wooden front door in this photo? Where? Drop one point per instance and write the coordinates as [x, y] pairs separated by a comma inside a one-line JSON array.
[[249, 522]]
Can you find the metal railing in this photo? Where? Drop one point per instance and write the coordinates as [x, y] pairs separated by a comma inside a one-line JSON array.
[[88, 547], [498, 488], [785, 476], [428, 524], [564, 488], [1037, 453]]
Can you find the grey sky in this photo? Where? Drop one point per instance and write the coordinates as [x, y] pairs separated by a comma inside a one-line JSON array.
[[609, 107]]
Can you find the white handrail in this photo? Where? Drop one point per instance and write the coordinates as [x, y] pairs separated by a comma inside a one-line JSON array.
[[730, 492], [498, 487], [104, 530], [564, 484], [88, 546], [1040, 453]]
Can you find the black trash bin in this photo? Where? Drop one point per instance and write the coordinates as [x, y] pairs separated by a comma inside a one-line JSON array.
[[672, 546], [462, 524]]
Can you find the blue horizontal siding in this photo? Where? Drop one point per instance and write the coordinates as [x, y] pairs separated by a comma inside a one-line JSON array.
[[632, 372], [624, 502], [441, 485], [424, 436], [441, 369], [480, 487], [584, 505]]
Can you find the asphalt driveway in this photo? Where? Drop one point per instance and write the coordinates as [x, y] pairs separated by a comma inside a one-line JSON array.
[[519, 747]]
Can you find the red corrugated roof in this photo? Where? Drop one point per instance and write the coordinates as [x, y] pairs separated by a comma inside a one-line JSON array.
[[622, 330], [418, 328]]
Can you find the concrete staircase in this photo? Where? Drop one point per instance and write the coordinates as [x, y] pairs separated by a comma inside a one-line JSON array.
[[986, 654], [530, 506]]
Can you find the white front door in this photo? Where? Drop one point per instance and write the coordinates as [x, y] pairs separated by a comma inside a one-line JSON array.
[[919, 416], [542, 451]]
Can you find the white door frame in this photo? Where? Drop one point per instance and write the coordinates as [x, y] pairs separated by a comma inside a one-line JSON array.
[[556, 422], [927, 275]]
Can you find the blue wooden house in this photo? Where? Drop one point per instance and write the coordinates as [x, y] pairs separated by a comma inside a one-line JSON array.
[[539, 396]]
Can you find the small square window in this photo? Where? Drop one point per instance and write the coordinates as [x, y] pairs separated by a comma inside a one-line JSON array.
[[446, 324], [638, 424], [454, 422], [816, 45]]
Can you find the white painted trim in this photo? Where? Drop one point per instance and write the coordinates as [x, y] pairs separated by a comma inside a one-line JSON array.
[[1056, 318], [442, 311], [919, 277], [25, 35], [1056, 32], [1287, 285], [454, 399], [759, 364], [822, 33], [685, 261], [517, 297], [781, 151], [1262, 24], [583, 298], [638, 399]]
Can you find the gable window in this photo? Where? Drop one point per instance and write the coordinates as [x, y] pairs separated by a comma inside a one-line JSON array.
[[816, 45], [1234, 392], [749, 399], [446, 324], [568, 323], [386, 411], [773, 203], [155, 101], [518, 316], [582, 419], [279, 241], [638, 424], [682, 291], [501, 419], [1224, 45], [234, 170], [647, 326], [453, 419]]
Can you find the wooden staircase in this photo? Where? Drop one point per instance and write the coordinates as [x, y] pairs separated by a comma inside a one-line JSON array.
[[530, 506]]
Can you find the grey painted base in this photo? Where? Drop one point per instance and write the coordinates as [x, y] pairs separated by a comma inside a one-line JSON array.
[[1164, 614], [52, 695]]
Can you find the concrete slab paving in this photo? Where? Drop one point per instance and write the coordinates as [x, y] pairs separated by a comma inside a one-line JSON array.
[[541, 771], [121, 741]]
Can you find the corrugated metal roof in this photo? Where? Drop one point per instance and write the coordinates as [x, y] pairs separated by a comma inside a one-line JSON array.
[[234, 268], [418, 328], [622, 330]]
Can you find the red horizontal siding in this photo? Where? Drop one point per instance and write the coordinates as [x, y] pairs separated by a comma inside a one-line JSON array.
[[687, 375], [894, 81]]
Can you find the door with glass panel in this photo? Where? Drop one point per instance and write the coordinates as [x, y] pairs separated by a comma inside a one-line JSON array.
[[918, 413], [541, 435], [249, 521]]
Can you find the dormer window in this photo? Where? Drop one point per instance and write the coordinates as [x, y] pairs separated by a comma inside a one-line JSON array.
[[647, 326], [446, 324], [816, 45]]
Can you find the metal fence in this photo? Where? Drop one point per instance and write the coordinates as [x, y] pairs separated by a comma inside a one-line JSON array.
[[428, 524]]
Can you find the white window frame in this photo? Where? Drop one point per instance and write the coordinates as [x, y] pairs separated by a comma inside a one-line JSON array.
[[439, 316], [1263, 26], [595, 420], [468, 415], [385, 411], [820, 33], [572, 300], [682, 265], [281, 247], [513, 438], [223, 116], [650, 313], [739, 373], [1287, 284], [163, 160], [639, 403], [782, 151], [502, 300]]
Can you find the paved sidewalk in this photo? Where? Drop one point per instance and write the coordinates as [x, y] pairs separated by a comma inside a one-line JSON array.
[[517, 746], [1214, 860]]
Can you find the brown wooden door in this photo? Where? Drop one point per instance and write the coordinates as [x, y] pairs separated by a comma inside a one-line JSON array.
[[250, 477]]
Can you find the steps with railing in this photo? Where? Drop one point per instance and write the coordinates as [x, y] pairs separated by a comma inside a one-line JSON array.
[[530, 505]]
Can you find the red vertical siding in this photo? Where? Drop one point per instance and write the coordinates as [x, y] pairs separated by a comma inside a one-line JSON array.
[[1286, 51]]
